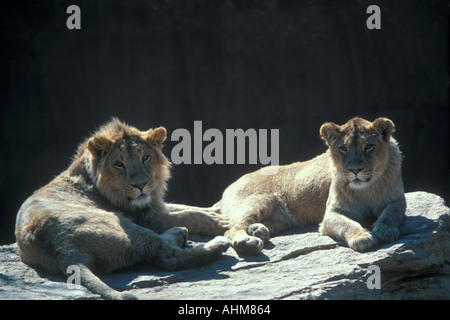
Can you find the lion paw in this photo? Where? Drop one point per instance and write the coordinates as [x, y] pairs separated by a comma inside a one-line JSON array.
[[362, 241], [176, 236], [385, 233], [219, 244], [247, 245], [259, 230]]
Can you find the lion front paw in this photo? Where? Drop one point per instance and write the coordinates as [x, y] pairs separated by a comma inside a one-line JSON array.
[[385, 233], [176, 236], [362, 241], [219, 244]]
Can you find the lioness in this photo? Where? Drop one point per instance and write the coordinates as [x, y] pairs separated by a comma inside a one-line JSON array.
[[94, 215], [356, 182]]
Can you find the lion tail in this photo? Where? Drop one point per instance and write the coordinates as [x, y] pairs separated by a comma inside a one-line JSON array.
[[80, 274]]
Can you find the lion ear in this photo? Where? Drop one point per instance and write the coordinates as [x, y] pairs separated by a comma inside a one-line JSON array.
[[329, 131], [156, 136], [385, 127], [99, 145]]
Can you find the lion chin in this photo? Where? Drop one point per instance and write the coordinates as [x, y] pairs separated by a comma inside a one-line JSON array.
[[142, 201], [358, 184]]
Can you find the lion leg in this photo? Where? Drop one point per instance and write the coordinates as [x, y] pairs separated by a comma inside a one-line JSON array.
[[174, 207], [175, 258], [121, 243], [165, 250], [247, 233], [132, 243], [386, 226], [197, 221], [341, 227]]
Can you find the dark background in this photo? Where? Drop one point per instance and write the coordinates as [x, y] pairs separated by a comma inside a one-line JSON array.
[[285, 64]]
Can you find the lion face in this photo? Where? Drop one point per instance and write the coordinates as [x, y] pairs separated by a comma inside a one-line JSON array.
[[128, 166], [358, 149]]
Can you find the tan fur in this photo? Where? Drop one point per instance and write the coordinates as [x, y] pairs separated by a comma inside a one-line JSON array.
[[319, 191], [98, 213], [377, 197]]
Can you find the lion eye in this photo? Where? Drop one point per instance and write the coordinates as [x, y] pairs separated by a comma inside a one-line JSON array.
[[369, 147], [343, 148], [145, 158], [119, 164]]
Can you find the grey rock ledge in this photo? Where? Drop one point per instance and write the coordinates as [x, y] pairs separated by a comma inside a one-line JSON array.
[[300, 264]]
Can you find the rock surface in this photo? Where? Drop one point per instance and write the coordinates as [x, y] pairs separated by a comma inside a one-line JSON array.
[[300, 264]]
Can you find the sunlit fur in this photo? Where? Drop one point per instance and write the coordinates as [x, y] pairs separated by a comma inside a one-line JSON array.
[[117, 142], [260, 206], [375, 193], [106, 212]]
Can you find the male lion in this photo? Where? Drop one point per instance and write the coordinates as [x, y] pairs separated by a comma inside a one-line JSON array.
[[356, 182], [94, 215]]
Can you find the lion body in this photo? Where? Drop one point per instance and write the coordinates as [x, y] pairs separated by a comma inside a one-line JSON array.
[[323, 191], [295, 196], [106, 210], [367, 202]]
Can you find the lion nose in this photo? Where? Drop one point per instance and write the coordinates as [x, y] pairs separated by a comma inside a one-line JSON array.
[[140, 186], [355, 171]]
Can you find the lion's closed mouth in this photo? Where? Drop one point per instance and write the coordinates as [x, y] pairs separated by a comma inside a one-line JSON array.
[[139, 197]]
